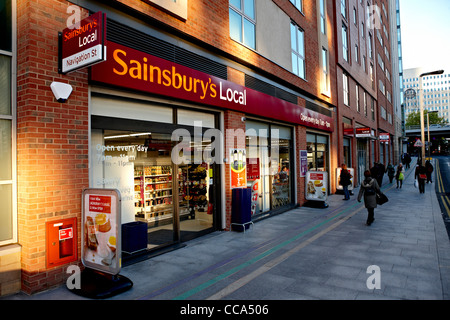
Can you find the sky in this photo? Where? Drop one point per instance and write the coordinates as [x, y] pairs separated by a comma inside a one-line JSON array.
[[425, 26]]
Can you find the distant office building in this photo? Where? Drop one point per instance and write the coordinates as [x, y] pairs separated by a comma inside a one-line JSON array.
[[434, 92]]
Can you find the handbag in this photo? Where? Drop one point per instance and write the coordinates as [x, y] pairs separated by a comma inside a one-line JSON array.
[[422, 176], [381, 198], [416, 184], [401, 176]]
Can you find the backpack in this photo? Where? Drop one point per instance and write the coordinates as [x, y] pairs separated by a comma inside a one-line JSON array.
[[370, 191]]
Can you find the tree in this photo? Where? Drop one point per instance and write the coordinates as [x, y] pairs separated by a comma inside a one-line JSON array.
[[414, 118]]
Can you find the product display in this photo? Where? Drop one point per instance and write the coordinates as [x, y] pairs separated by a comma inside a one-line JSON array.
[[153, 193]]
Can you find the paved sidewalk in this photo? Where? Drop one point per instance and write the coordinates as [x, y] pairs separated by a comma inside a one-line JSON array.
[[307, 253]]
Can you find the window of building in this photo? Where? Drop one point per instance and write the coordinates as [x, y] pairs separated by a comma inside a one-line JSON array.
[[372, 108], [8, 215], [323, 16], [356, 53], [345, 89], [370, 46], [325, 80], [270, 164], [344, 42], [243, 22], [365, 103], [344, 8], [358, 102], [317, 148], [298, 4], [298, 50]]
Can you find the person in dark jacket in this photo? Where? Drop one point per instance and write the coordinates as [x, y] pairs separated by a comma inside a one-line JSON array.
[[421, 176], [345, 181], [429, 168], [390, 171], [369, 188]]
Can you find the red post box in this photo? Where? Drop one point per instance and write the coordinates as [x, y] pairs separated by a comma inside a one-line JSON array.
[[61, 242]]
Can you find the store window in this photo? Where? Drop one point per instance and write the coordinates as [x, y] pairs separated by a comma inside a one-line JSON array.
[[8, 228], [176, 199], [347, 152], [317, 147], [269, 163]]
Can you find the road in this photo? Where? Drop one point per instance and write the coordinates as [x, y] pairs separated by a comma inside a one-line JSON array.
[[442, 183]]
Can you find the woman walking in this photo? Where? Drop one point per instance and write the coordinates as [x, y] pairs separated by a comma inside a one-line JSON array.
[[421, 176], [369, 188], [399, 175]]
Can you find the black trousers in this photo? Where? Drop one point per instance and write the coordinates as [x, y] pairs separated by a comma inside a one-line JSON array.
[[370, 215], [421, 185]]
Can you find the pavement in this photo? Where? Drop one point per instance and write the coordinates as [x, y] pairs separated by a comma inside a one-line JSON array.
[[306, 254]]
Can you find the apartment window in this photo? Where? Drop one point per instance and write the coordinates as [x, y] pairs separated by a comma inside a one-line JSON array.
[[298, 50], [371, 75], [344, 42], [8, 228], [370, 46], [323, 16], [325, 86], [298, 4], [358, 101], [372, 108], [356, 53], [355, 19], [344, 8], [365, 103], [383, 112], [242, 22], [363, 30], [364, 64], [345, 89]]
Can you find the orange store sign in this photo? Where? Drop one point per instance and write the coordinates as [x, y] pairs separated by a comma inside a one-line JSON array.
[[136, 70]]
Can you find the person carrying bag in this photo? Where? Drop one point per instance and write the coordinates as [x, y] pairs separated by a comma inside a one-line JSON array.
[[370, 189]]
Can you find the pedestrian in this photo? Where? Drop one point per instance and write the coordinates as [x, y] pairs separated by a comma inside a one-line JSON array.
[[345, 181], [429, 168], [421, 176], [407, 160], [380, 173], [390, 171], [369, 188], [399, 175]]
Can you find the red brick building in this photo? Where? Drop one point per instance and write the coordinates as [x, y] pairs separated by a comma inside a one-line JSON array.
[[265, 78]]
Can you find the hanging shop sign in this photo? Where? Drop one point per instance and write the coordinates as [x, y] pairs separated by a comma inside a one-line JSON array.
[[338, 174], [316, 185], [136, 70], [365, 132], [384, 137], [238, 168], [101, 224], [83, 46]]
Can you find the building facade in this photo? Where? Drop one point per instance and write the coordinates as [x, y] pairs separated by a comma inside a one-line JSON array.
[[432, 91], [186, 90]]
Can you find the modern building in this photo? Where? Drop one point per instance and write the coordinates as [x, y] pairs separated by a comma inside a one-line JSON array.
[[190, 104], [432, 91]]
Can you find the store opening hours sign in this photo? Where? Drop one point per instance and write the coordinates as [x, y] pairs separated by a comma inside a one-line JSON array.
[[83, 46], [101, 224]]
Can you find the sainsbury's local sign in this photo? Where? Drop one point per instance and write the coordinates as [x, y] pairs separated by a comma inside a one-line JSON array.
[[83, 46], [136, 70]]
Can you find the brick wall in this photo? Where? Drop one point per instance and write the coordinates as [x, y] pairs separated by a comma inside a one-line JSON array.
[[52, 138]]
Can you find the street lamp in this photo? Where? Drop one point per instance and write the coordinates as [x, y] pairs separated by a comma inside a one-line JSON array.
[[422, 130]]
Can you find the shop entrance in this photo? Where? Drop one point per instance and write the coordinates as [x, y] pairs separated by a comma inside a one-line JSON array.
[[176, 201]]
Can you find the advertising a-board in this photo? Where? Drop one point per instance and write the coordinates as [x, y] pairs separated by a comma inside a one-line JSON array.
[[316, 185], [101, 222]]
